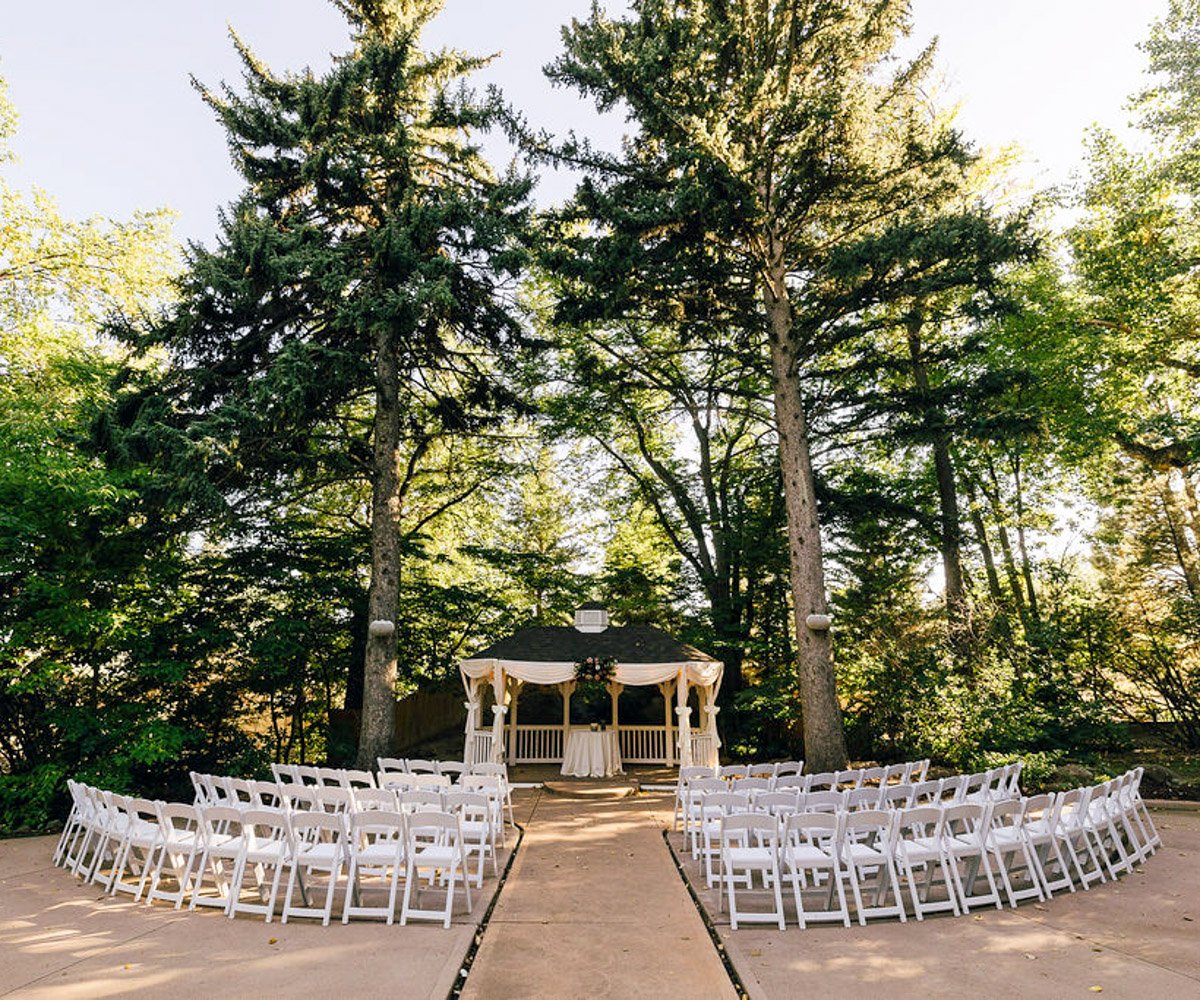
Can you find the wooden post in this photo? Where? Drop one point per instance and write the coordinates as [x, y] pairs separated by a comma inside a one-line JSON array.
[[514, 688], [665, 688], [566, 689]]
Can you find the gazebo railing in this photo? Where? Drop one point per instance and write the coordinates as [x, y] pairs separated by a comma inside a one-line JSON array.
[[643, 744], [481, 746], [535, 745]]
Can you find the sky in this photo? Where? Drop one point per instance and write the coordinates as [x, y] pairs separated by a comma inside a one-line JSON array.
[[110, 123]]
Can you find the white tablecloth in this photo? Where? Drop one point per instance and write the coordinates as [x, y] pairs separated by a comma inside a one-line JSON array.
[[592, 755]]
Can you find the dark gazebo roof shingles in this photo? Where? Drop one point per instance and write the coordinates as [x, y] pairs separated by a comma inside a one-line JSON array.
[[564, 643]]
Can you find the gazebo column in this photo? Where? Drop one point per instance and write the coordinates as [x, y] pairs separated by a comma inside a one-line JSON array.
[[614, 692], [685, 729], [513, 686], [566, 689], [666, 688]]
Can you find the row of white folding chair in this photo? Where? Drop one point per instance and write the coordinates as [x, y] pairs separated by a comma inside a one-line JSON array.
[[306, 774], [1073, 835], [416, 765], [144, 837], [875, 852]]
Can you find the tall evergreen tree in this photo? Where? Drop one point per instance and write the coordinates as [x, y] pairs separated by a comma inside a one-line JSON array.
[[771, 137], [356, 306]]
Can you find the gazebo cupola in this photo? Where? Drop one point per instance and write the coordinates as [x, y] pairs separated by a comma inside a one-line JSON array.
[[591, 617]]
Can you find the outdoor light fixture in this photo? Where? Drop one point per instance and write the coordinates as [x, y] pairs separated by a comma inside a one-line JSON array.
[[381, 628], [818, 623]]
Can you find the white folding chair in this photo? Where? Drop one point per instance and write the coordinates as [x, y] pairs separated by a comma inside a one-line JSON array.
[[477, 815], [138, 846], [331, 777], [391, 765], [697, 789], [318, 844], [789, 768], [918, 845], [435, 845], [714, 807], [352, 778], [867, 847], [749, 843], [179, 850], [734, 771], [455, 769], [221, 844], [1039, 826], [266, 846], [964, 826], [270, 794], [1073, 834], [810, 845], [1005, 837], [376, 848], [822, 781], [686, 774], [383, 799], [418, 765]]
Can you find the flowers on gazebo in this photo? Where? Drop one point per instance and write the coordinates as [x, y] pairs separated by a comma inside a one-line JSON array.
[[596, 670]]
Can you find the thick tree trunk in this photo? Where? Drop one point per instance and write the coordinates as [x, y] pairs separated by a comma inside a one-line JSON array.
[[824, 740], [377, 731]]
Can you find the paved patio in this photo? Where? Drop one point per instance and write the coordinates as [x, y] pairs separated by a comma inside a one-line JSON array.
[[1137, 938], [594, 907]]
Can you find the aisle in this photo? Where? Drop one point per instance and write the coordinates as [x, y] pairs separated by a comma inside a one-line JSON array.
[[594, 907]]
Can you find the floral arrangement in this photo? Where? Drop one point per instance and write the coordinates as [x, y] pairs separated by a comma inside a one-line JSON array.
[[597, 670]]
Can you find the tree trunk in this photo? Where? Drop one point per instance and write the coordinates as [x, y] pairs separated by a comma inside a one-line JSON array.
[[949, 541], [377, 731], [824, 740]]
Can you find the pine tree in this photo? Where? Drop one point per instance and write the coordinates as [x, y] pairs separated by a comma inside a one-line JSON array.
[[770, 139], [356, 306]]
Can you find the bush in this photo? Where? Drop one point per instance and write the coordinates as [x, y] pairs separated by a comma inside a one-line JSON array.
[[32, 802]]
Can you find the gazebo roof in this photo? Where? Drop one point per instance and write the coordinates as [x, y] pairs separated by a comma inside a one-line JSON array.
[[564, 643]]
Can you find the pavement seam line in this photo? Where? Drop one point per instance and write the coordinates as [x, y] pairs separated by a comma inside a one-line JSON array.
[[468, 960], [722, 953]]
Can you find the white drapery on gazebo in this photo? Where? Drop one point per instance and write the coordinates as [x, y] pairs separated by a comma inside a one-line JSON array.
[[506, 673]]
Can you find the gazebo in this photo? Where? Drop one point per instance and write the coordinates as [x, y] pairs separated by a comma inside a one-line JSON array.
[[547, 654]]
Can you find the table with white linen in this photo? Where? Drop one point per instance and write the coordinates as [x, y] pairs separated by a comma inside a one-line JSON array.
[[590, 754]]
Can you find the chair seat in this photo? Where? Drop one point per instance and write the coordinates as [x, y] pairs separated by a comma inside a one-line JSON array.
[[378, 854], [806, 855], [440, 857], [319, 854], [749, 857], [862, 854]]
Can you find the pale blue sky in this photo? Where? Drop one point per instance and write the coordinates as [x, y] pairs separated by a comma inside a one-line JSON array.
[[110, 124]]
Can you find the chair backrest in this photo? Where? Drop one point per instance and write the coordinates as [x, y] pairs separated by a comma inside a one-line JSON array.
[[420, 800], [826, 801], [896, 797], [198, 786], [267, 795], [374, 799], [856, 799], [217, 823], [919, 821], [734, 771], [1005, 813], [760, 771], [352, 778], [872, 776], [741, 826], [897, 772], [724, 803], [926, 791], [873, 827], [851, 776], [331, 777], [453, 769], [396, 781], [470, 805], [699, 787], [240, 790], [489, 783], [377, 826], [822, 780], [283, 772], [919, 771], [143, 813], [417, 765], [318, 827], [963, 820], [778, 803], [686, 774], [820, 828], [440, 825], [797, 781], [308, 774], [953, 788], [332, 799], [424, 779], [789, 767], [749, 785], [300, 798], [1012, 780], [261, 826], [179, 816], [391, 765], [490, 767]]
